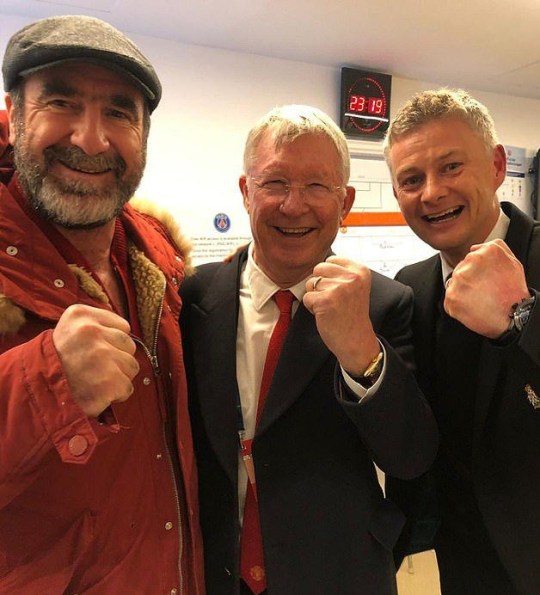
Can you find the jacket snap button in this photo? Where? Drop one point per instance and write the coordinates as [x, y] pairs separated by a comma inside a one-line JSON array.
[[168, 526], [12, 250], [77, 445], [59, 283]]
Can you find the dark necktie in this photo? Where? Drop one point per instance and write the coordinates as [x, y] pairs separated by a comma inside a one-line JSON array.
[[251, 548]]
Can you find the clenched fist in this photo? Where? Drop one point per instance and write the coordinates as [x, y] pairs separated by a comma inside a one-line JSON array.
[[483, 287], [338, 297], [97, 356]]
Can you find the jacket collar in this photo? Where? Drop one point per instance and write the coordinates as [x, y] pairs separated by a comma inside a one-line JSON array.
[[35, 277], [519, 232]]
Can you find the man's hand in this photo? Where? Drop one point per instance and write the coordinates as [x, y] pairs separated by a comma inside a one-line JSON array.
[[483, 288], [340, 304], [96, 352]]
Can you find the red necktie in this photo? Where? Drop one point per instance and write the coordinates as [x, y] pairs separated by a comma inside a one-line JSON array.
[[251, 548]]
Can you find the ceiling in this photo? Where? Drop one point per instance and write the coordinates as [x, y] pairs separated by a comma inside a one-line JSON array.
[[489, 45]]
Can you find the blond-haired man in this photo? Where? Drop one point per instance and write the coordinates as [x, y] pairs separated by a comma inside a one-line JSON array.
[[477, 343]]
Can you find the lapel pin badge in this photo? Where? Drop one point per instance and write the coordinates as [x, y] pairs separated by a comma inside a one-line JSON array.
[[532, 397]]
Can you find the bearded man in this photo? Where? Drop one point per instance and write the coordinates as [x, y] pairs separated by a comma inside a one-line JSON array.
[[97, 477]]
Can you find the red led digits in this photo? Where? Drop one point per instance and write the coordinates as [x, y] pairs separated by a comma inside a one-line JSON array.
[[357, 103]]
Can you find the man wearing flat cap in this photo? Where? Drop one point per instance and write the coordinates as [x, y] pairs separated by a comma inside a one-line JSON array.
[[97, 475]]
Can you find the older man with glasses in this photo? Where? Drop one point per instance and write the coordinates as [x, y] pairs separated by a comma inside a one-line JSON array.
[[289, 415]]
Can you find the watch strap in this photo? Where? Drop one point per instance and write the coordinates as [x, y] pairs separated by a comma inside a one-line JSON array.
[[372, 372]]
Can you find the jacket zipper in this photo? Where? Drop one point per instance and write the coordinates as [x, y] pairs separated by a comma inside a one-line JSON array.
[[152, 356]]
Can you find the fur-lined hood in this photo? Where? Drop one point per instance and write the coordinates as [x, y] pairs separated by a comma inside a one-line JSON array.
[[183, 242]]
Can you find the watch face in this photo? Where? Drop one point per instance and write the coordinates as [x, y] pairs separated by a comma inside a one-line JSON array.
[[523, 316], [522, 313]]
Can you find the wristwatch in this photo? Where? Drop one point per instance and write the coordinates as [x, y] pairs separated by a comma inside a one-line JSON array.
[[520, 314], [372, 372]]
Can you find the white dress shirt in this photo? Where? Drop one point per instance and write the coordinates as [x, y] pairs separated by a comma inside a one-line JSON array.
[[257, 317]]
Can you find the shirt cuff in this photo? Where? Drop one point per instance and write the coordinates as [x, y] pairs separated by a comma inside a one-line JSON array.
[[359, 391]]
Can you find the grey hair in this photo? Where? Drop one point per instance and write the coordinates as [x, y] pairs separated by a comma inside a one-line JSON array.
[[17, 97], [427, 106], [288, 122]]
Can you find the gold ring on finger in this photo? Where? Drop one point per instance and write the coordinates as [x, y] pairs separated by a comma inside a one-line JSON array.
[[316, 282]]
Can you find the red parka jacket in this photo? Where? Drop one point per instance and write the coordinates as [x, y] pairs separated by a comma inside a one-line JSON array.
[[89, 507]]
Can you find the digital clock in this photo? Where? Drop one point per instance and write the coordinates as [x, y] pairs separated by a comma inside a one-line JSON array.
[[365, 103]]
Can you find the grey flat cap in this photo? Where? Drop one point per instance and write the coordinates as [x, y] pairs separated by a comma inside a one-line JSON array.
[[69, 38]]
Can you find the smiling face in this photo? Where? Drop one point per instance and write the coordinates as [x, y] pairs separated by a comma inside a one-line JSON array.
[[445, 181], [79, 143], [294, 232]]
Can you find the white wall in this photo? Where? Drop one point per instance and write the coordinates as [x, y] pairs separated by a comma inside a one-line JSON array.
[[212, 98]]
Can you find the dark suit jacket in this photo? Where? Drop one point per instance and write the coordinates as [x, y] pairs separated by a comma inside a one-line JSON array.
[[506, 440], [326, 526]]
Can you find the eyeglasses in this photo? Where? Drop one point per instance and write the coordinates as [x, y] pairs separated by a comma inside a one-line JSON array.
[[280, 189]]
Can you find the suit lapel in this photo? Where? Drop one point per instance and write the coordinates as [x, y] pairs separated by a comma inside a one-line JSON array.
[[302, 356], [214, 340], [518, 239], [426, 281]]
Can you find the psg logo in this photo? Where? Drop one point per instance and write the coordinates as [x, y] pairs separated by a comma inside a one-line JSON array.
[[222, 222]]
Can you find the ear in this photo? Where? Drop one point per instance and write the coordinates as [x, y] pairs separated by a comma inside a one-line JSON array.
[[10, 114], [242, 182], [392, 178], [499, 164], [348, 201]]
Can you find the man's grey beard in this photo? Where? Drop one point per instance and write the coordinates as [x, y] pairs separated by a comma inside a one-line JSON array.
[[74, 204]]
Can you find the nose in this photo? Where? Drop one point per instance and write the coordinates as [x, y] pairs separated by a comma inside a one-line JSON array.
[[434, 189], [89, 133], [293, 203]]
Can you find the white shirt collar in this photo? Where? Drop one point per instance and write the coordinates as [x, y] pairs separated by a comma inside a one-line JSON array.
[[261, 287], [497, 233]]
